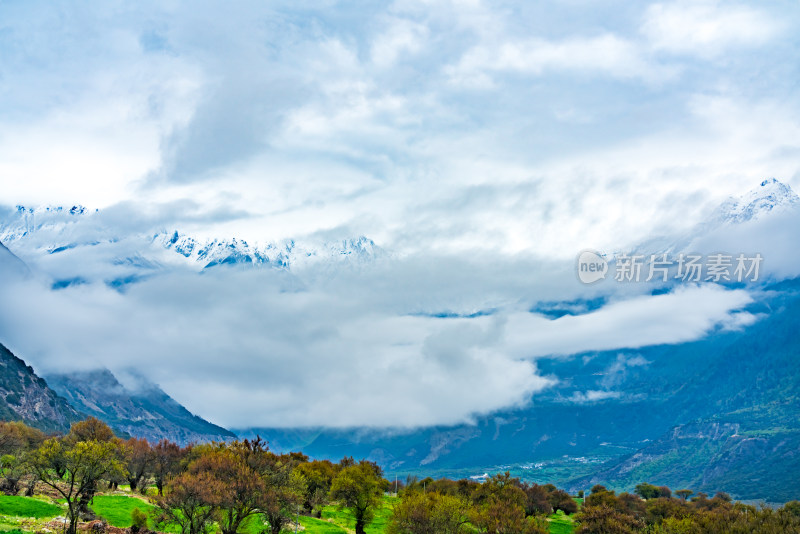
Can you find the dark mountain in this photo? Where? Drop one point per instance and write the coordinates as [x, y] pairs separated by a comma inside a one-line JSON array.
[[147, 412], [27, 397], [717, 414]]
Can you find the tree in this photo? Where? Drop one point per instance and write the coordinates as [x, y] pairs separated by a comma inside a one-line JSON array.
[[138, 460], [647, 491], [90, 429], [501, 507], [561, 500], [536, 500], [166, 462], [16, 437], [359, 489], [82, 464], [190, 501], [429, 513], [606, 520], [241, 490], [684, 493], [318, 476]]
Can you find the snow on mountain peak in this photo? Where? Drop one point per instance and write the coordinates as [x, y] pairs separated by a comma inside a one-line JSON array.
[[286, 254], [771, 195], [27, 220]]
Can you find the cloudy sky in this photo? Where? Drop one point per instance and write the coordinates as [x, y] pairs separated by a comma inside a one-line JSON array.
[[475, 141]]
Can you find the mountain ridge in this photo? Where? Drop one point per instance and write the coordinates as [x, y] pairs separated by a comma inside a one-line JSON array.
[[26, 396], [147, 413]]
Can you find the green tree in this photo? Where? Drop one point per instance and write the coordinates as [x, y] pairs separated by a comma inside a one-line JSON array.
[[285, 489], [501, 504], [429, 513], [82, 464], [647, 491], [358, 488], [319, 477], [684, 493]]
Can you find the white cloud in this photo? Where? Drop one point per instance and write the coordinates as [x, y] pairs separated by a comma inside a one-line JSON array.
[[605, 54], [399, 37], [683, 315], [594, 128], [707, 28]]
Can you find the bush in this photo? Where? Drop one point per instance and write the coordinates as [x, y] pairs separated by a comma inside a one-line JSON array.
[[138, 520]]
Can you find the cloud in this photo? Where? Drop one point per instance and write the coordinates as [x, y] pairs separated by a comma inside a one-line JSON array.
[[686, 314], [269, 348], [593, 395], [707, 29], [605, 54], [591, 127]]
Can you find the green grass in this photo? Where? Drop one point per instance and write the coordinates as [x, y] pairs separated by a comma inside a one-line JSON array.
[[28, 507], [332, 516], [319, 526], [561, 524], [116, 509]]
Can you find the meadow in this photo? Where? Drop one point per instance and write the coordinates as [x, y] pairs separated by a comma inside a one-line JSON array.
[[22, 515]]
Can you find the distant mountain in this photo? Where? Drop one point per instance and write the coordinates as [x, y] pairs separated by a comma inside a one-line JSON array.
[[27, 397], [288, 254], [62, 240], [718, 414], [770, 198], [739, 430], [147, 412]]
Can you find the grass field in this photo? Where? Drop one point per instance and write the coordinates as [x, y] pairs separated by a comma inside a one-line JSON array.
[[19, 515], [561, 524], [26, 514], [116, 509], [28, 507]]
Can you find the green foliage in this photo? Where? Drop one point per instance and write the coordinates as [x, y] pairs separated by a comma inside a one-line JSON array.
[[429, 513], [138, 520], [358, 488], [342, 517], [74, 468]]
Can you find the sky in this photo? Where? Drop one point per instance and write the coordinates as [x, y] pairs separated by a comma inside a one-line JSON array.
[[482, 145]]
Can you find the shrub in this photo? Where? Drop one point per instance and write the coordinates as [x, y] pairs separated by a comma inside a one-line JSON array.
[[138, 520]]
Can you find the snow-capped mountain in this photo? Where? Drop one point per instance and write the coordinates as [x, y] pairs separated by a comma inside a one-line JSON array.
[[23, 222], [75, 245], [288, 254], [726, 223], [770, 196]]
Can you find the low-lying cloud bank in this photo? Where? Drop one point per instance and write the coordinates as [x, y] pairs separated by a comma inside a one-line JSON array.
[[261, 347]]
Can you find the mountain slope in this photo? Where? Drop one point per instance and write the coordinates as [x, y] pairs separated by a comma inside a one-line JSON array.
[[11, 265], [148, 413], [27, 397], [747, 438], [714, 414]]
